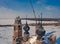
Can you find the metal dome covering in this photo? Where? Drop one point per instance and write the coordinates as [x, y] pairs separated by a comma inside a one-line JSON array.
[[40, 31], [26, 27]]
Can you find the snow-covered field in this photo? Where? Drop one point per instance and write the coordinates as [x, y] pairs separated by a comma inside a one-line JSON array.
[[6, 33]]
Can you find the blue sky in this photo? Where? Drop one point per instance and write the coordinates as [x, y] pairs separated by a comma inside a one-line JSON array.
[[49, 8]]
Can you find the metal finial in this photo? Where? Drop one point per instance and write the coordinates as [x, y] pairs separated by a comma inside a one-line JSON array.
[[40, 31], [26, 19], [41, 19], [26, 27]]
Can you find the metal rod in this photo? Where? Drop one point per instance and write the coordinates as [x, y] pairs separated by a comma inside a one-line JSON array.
[[41, 19], [33, 10], [26, 19]]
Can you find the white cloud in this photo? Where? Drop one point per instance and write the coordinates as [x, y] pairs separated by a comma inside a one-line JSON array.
[[40, 1], [9, 13], [51, 8], [5, 12], [51, 11]]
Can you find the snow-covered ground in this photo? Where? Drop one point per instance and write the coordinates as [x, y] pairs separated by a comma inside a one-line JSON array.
[[6, 33]]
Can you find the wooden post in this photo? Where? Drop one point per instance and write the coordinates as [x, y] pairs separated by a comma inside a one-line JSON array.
[[26, 37], [17, 31], [53, 39]]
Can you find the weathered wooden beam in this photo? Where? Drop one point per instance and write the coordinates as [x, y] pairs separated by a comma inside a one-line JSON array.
[[38, 19], [31, 24], [43, 19]]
